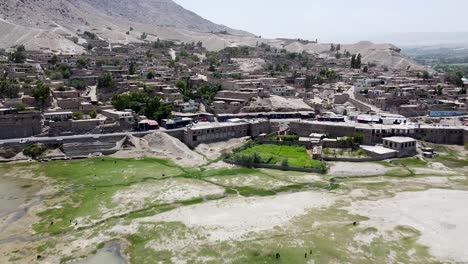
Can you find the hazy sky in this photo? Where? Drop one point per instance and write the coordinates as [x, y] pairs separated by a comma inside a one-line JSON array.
[[335, 20]]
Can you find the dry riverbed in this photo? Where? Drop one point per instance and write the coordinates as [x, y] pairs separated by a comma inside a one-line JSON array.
[[147, 210]]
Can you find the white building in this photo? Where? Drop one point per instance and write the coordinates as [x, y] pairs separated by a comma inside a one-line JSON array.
[[406, 146], [282, 90], [364, 84]]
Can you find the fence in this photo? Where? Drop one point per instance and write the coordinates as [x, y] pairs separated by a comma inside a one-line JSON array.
[[276, 167], [367, 159]]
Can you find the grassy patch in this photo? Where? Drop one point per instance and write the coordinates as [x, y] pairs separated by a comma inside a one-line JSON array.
[[410, 162], [296, 156], [451, 161], [89, 186]]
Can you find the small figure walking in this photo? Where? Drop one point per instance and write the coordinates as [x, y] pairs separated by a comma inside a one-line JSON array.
[[278, 255]]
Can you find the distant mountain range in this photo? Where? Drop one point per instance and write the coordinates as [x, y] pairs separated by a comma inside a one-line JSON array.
[[51, 25]]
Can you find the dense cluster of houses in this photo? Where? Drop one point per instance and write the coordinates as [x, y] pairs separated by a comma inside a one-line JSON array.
[[211, 98]]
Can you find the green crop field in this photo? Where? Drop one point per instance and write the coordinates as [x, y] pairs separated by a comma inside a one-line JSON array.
[[296, 156]]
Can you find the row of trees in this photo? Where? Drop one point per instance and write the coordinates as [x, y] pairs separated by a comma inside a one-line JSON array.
[[142, 103], [206, 92], [335, 48]]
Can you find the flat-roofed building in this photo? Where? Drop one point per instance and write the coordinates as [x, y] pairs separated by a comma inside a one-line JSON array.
[[19, 124], [406, 146], [212, 132]]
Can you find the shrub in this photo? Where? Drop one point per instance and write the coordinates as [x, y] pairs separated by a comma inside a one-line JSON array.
[[361, 153], [285, 162], [256, 158], [7, 153], [93, 114], [34, 151], [20, 107], [77, 115]]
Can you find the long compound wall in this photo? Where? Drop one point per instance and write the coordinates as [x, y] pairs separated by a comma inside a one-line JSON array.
[[438, 135]]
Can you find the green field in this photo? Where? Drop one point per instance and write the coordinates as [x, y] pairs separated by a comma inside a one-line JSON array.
[[296, 156]]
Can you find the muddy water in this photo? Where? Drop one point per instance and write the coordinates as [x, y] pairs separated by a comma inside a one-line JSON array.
[[110, 254]]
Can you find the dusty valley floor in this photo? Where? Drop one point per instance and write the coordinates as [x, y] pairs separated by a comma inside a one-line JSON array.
[[148, 210]]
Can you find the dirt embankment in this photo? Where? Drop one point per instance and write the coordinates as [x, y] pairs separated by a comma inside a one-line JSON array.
[[277, 103], [159, 145], [213, 151]]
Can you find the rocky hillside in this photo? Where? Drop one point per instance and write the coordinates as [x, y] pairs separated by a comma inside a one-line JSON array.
[[30, 22], [161, 13], [53, 24]]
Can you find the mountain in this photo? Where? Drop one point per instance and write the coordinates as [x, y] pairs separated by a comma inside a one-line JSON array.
[[52, 25], [31, 21]]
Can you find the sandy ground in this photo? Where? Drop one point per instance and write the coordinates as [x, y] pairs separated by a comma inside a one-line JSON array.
[[167, 191], [214, 150], [436, 213], [236, 218], [278, 103], [357, 169], [249, 180], [249, 65], [159, 145]]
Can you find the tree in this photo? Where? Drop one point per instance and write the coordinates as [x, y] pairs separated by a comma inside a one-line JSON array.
[[353, 61], [8, 89], [338, 55], [332, 47], [440, 90], [106, 82], [338, 47], [131, 68], [144, 36], [81, 63], [358, 61], [426, 75], [18, 56], [150, 75], [455, 78], [53, 60], [78, 84], [365, 69], [185, 89], [358, 139], [41, 93], [208, 92]]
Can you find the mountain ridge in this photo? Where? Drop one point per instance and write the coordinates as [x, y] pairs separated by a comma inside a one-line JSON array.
[[51, 25]]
